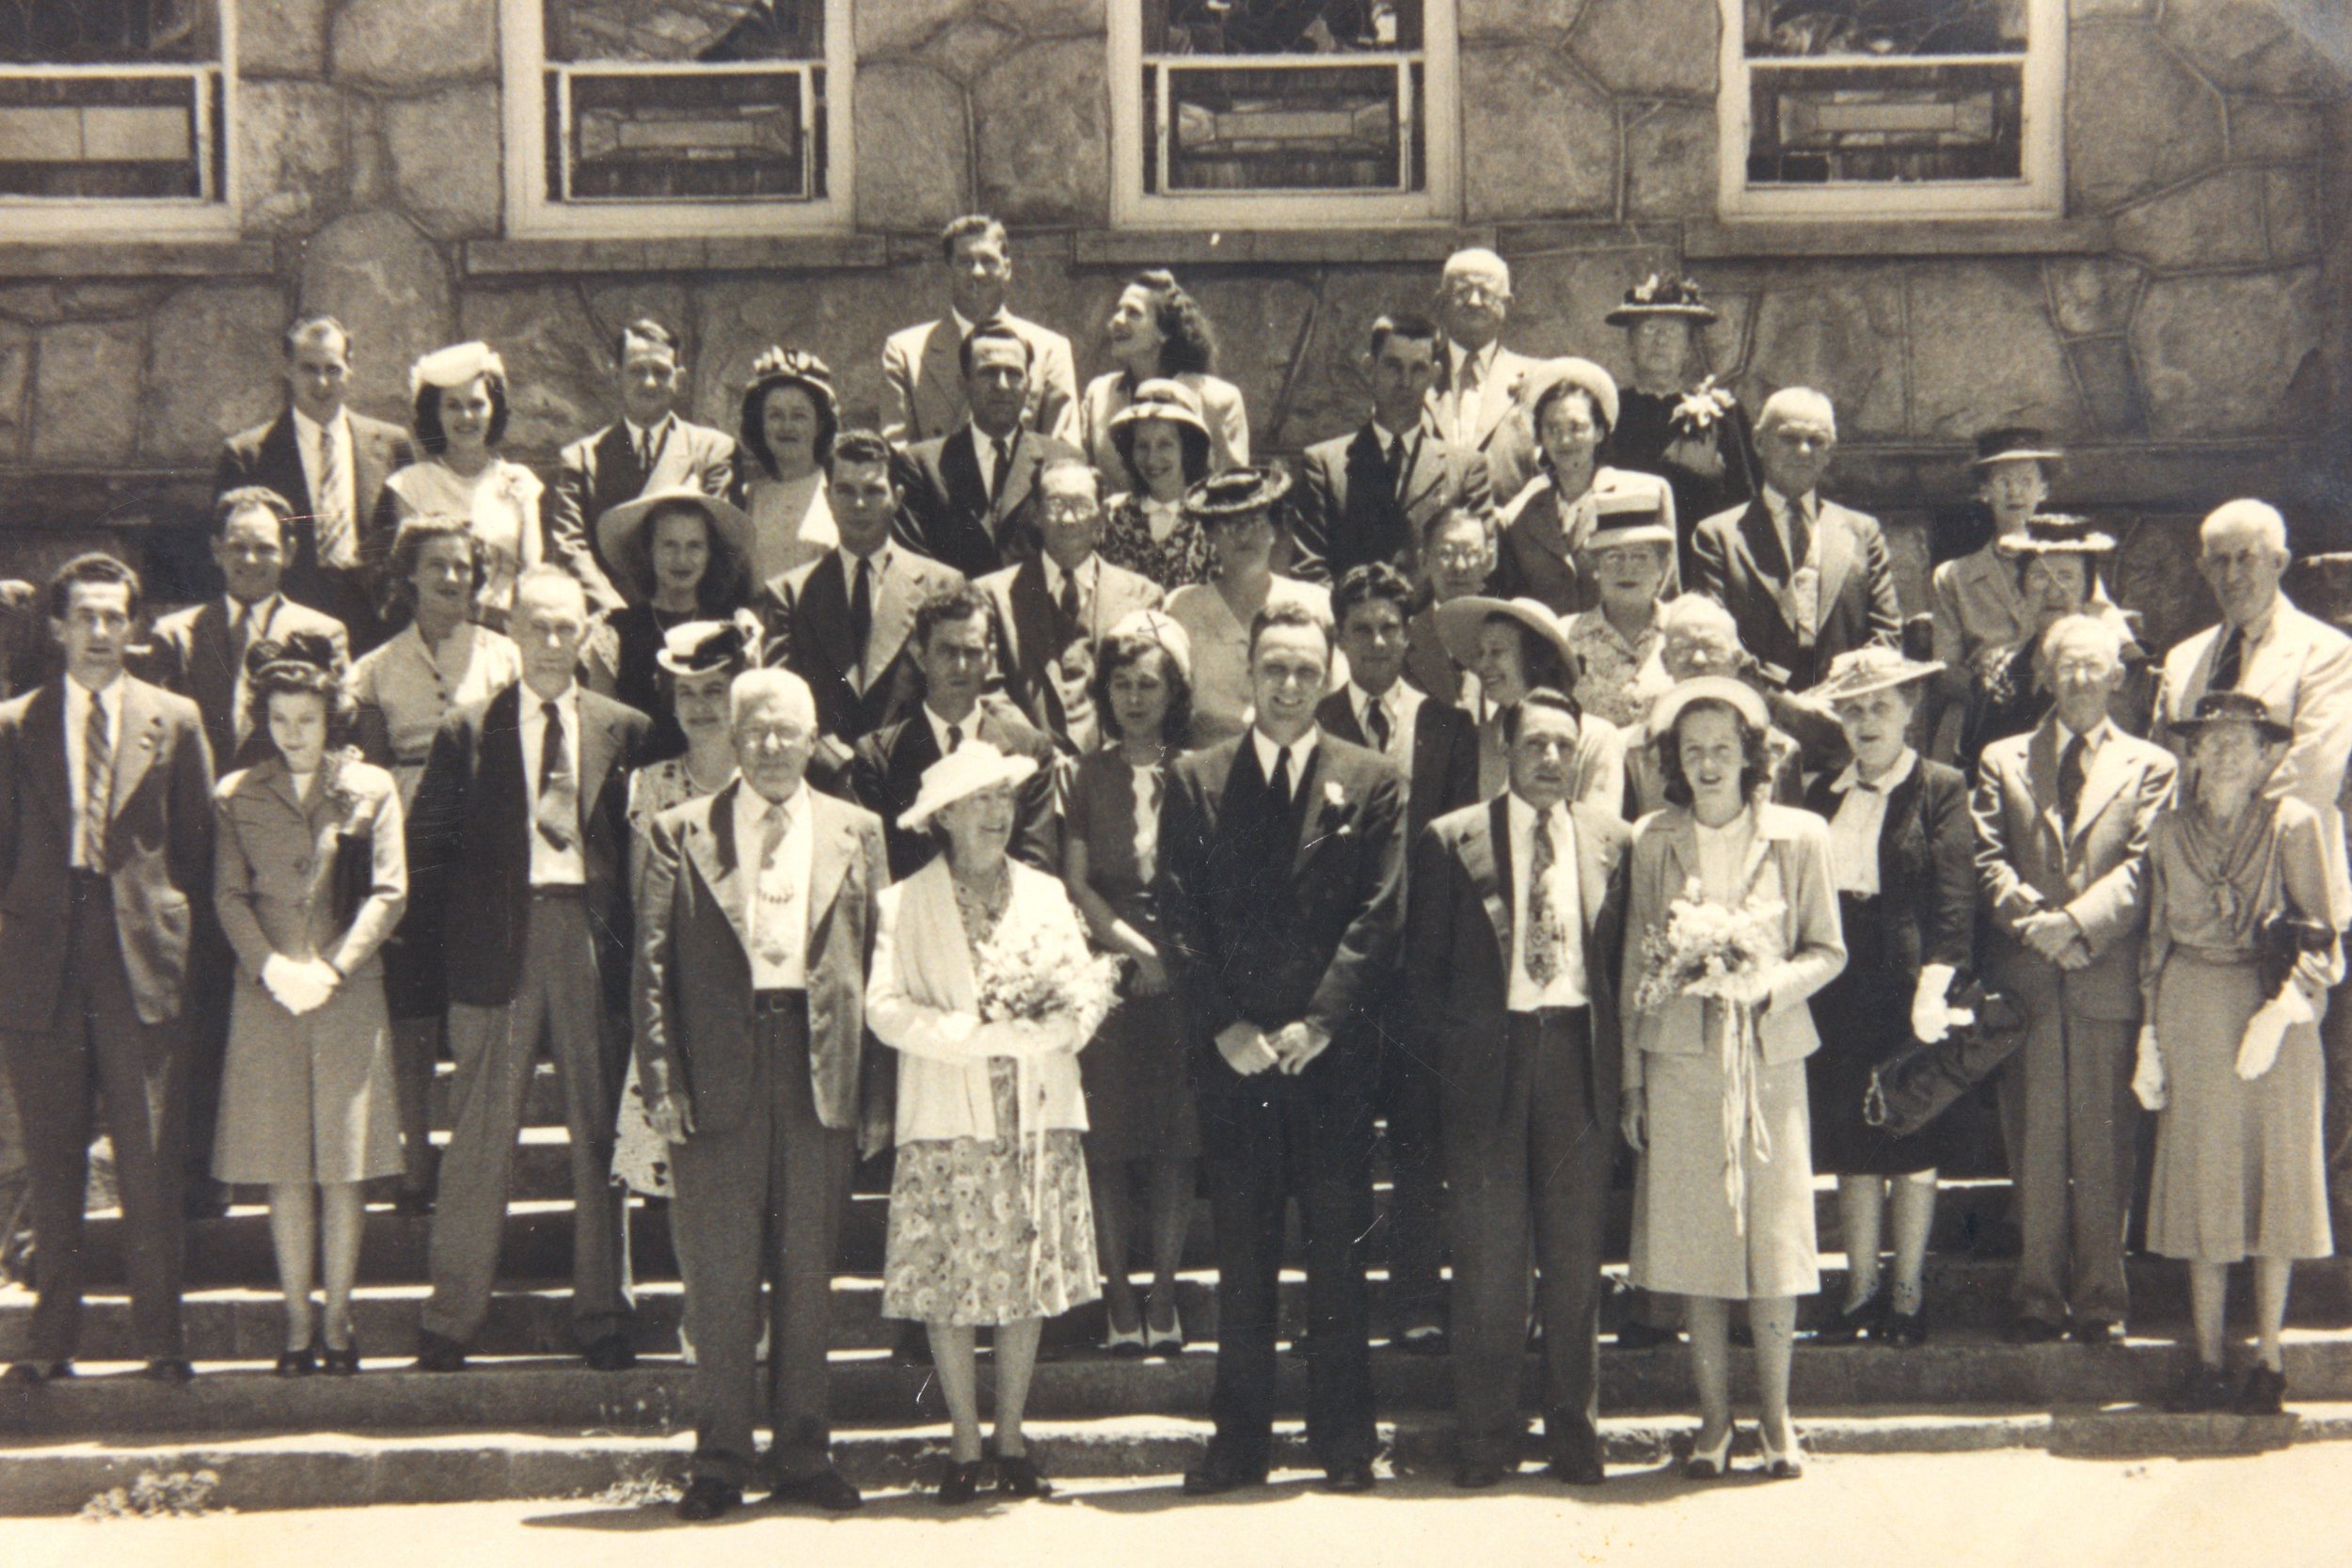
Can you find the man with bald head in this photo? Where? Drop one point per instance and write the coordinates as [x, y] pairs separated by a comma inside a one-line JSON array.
[[755, 921], [1805, 579], [1478, 401]]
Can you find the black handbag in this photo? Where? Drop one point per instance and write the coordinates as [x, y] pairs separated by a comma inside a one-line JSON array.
[[1913, 1088], [2285, 937], [351, 880]]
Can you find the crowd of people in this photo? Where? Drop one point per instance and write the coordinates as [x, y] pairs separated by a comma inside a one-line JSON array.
[[1044, 796]]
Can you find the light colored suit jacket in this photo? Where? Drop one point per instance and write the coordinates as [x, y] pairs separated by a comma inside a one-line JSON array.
[[923, 367], [1499, 425], [273, 880]]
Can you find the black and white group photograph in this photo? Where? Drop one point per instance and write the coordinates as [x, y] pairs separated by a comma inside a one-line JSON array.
[[1163, 780]]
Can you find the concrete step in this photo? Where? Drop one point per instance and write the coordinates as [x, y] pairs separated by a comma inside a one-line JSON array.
[[618, 1474]]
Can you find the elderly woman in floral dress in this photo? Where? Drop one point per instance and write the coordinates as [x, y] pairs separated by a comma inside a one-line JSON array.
[[1618, 644]]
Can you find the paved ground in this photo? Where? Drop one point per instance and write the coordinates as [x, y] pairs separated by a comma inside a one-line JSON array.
[[1999, 1510]]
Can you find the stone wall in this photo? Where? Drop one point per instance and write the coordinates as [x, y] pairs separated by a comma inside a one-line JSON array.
[[2187, 329]]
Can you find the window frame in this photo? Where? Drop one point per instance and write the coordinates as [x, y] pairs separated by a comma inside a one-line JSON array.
[[37, 219], [1440, 126], [2040, 194], [531, 214]]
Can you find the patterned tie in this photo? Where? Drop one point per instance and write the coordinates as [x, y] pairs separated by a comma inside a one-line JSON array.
[[97, 774], [2071, 782], [773, 904], [862, 610], [334, 522], [1545, 935], [1376, 723], [558, 816], [2228, 665], [1799, 535]]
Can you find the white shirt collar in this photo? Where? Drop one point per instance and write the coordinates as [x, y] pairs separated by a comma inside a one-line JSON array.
[[261, 612], [1300, 751], [1386, 437], [751, 805], [640, 433], [107, 695], [1777, 504], [312, 429], [1523, 814], [2091, 738], [1086, 572], [1484, 357], [964, 327], [535, 704], [1886, 781], [969, 725], [850, 558]]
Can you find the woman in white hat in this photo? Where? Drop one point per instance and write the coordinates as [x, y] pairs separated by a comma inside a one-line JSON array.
[[784, 444], [1157, 331], [1548, 526], [1161, 446], [990, 1221], [460, 408], [1902, 848], [1722, 1195], [2054, 561], [1240, 511], [1510, 647], [678, 557]]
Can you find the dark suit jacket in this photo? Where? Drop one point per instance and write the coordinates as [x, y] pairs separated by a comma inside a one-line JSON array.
[[600, 471], [469, 845], [1742, 567], [159, 848], [1927, 906], [190, 654], [1046, 666], [1458, 954], [1444, 775], [269, 455], [806, 613], [1276, 921], [1346, 510], [692, 992], [886, 774], [945, 511]]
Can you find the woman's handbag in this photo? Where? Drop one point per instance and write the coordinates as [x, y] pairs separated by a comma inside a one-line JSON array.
[[352, 879], [1913, 1088], [2285, 937]]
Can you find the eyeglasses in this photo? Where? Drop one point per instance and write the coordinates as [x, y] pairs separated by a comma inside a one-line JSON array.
[[1459, 558]]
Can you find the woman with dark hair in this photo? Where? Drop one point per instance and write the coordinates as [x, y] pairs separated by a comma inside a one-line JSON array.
[[784, 441], [1139, 1110], [1507, 648], [1547, 529], [1162, 443], [1715, 1085], [308, 879], [1158, 331], [460, 409], [676, 556]]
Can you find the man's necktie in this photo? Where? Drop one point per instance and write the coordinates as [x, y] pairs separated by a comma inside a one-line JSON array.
[[97, 774], [1399, 461], [1376, 723], [1002, 471], [1277, 788], [1073, 616], [1544, 937], [557, 815], [2071, 780], [241, 629], [1466, 400], [2228, 665], [862, 610], [1800, 536], [955, 737], [334, 522], [770, 922]]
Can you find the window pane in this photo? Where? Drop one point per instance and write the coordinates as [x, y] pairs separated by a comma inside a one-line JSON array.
[[679, 31], [1889, 124], [1279, 26], [687, 137], [109, 32], [1884, 29], [1307, 128], [117, 137]]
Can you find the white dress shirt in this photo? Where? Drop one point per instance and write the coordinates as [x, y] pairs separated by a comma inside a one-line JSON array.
[[77, 701], [1465, 417], [647, 442], [1568, 986], [313, 440], [1301, 752], [1861, 818], [878, 567], [549, 866], [968, 728], [775, 912], [1401, 704], [984, 453]]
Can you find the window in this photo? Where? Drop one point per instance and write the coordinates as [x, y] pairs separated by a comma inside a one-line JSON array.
[[668, 117], [113, 118], [1892, 108], [1329, 111]]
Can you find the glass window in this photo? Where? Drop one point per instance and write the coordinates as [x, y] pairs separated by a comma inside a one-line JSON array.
[[111, 102]]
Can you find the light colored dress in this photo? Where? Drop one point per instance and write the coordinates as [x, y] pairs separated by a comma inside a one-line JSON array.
[[502, 504], [791, 524], [1221, 700], [413, 688]]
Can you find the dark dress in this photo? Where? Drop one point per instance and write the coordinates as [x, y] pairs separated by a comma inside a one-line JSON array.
[[1140, 1103], [1708, 470], [1924, 914]]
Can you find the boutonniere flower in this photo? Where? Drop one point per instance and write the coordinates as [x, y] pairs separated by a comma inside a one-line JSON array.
[[1702, 406], [1333, 795], [340, 794]]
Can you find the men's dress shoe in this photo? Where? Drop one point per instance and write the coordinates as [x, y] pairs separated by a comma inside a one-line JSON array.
[[961, 1482], [1351, 1476], [437, 1353], [172, 1369], [827, 1489], [614, 1353], [1477, 1475], [1638, 1334], [1904, 1329], [1016, 1477], [1578, 1463], [1212, 1479], [205, 1200], [2032, 1331], [2200, 1389], [2093, 1331], [30, 1372], [2262, 1393], [1851, 1325], [706, 1498], [1422, 1339]]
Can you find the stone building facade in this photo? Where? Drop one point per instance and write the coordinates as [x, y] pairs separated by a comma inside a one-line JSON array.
[[2184, 326]]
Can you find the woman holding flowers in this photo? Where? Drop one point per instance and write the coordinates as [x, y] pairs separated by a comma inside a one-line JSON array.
[[983, 983], [1731, 925]]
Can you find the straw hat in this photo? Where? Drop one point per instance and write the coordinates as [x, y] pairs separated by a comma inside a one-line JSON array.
[[1154, 625], [1237, 493], [621, 537], [454, 366], [1875, 668], [700, 647], [2015, 443], [969, 768], [1459, 621], [1706, 689], [2056, 534], [2233, 707], [1629, 508], [1163, 399], [1599, 382], [1663, 296]]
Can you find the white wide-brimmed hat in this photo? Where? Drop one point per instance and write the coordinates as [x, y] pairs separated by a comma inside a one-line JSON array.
[[1738, 694], [1859, 672], [1459, 620], [623, 537], [969, 768]]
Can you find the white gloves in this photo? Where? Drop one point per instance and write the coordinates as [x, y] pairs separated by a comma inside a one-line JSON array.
[[2268, 1030], [299, 987], [2148, 1072], [1931, 1018]]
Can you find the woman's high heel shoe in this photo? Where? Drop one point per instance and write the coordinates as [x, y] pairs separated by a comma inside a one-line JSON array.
[[1778, 1466], [340, 1363], [299, 1363], [1127, 1344], [1165, 1342], [1710, 1464]]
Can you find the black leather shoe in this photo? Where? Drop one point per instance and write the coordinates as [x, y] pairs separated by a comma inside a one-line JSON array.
[[2202, 1389], [1852, 1325], [1214, 1480], [1642, 1335], [827, 1489], [1577, 1464], [706, 1500], [29, 1372], [172, 1369], [2262, 1393], [2033, 1331], [2093, 1331], [340, 1363], [437, 1353], [614, 1353], [1351, 1476], [298, 1362], [1017, 1477], [1904, 1329], [1477, 1475], [961, 1483]]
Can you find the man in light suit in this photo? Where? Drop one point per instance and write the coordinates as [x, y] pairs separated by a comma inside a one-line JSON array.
[[755, 924], [1479, 399], [519, 874], [2301, 668], [1436, 746], [647, 449], [2062, 815], [330, 465], [967, 499], [1514, 926], [1050, 610], [105, 842], [923, 366], [1283, 854], [1372, 494], [1805, 578]]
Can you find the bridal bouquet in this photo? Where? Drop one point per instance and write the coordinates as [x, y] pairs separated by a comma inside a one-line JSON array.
[[1045, 973]]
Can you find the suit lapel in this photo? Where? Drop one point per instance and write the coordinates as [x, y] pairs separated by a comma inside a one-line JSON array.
[[280, 453], [1767, 560], [2042, 778], [1682, 852], [140, 734], [1366, 475], [1592, 889], [1494, 393], [719, 858], [1425, 478], [960, 471], [941, 381], [1336, 715], [832, 843], [598, 749], [1034, 620], [1837, 543], [2105, 779], [825, 611], [44, 721], [894, 612], [1019, 470], [1486, 857], [618, 477]]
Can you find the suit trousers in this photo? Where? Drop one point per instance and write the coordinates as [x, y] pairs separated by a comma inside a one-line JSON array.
[[1416, 1221], [1546, 1159], [763, 1200], [2335, 1039], [555, 995], [1263, 1143], [2069, 1093], [210, 990], [98, 1049]]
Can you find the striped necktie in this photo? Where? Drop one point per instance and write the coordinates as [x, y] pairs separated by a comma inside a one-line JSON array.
[[97, 777]]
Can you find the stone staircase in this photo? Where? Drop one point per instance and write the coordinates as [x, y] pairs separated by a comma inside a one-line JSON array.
[[528, 1420]]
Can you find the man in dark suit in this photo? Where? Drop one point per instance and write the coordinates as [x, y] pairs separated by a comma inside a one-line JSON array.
[[967, 497], [1283, 852], [840, 622], [921, 366], [519, 871], [751, 1050], [953, 655], [105, 842], [330, 464], [1805, 578], [1436, 746], [1050, 610], [1372, 496], [647, 449], [1512, 944], [200, 653]]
